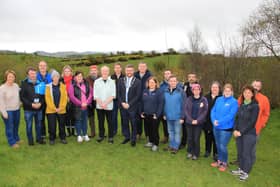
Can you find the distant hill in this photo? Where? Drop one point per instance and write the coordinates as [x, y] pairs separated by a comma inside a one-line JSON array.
[[65, 54]]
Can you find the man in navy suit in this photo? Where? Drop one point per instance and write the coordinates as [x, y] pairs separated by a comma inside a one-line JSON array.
[[129, 93]]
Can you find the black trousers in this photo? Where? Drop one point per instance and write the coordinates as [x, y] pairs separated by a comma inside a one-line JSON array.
[[246, 149], [184, 134], [69, 117], [164, 127], [139, 122], [43, 124], [101, 118], [209, 142], [52, 121], [152, 129], [193, 140], [92, 121]]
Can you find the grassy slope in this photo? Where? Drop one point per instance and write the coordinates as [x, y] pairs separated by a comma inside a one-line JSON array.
[[120, 165], [102, 164]]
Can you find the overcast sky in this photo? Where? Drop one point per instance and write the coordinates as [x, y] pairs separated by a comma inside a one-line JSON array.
[[114, 25]]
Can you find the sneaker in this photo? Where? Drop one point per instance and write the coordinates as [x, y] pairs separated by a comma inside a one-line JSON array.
[[174, 151], [110, 141], [79, 139], [63, 141], [237, 172], [86, 138], [189, 156], [244, 176], [149, 144], [207, 154], [42, 142], [216, 164], [154, 148], [52, 142], [223, 167], [100, 139], [194, 157]]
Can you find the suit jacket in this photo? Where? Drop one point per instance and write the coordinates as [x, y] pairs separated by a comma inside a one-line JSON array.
[[134, 93]]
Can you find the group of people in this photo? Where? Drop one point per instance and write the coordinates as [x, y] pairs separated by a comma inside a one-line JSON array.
[[71, 100]]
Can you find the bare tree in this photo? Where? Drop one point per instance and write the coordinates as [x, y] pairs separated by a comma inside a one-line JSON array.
[[196, 41], [263, 27]]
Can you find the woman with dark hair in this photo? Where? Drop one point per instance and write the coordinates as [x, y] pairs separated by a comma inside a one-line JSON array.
[[10, 107], [196, 110], [80, 94], [152, 104], [215, 92], [245, 132]]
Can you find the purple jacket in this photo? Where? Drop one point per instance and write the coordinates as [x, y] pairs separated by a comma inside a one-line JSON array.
[[202, 112]]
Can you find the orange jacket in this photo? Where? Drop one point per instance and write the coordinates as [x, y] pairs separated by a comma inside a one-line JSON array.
[[264, 111]]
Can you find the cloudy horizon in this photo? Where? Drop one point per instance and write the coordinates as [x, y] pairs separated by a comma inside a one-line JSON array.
[[85, 25]]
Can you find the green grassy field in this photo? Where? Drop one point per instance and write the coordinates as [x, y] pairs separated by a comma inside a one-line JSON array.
[[93, 164]]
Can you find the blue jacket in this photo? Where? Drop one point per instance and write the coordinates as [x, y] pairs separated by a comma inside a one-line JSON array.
[[174, 101], [224, 112], [163, 86], [152, 102], [43, 82]]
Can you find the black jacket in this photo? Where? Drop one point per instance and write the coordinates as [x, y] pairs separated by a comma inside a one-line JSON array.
[[29, 96], [208, 126], [247, 116], [134, 93], [143, 79], [114, 77]]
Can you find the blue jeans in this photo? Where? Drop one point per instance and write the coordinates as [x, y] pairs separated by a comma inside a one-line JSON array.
[[28, 116], [81, 124], [12, 125], [174, 131], [222, 139], [115, 117]]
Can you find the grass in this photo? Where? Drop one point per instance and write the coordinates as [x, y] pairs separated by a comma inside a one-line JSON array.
[[93, 164]]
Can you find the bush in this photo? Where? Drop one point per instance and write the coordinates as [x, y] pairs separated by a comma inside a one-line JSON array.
[[136, 57], [109, 60], [159, 66], [122, 59]]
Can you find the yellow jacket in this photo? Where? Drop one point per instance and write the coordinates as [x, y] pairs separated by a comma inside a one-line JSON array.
[[49, 99]]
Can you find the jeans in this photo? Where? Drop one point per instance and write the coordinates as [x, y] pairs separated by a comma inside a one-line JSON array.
[[12, 125], [246, 149], [28, 116], [174, 131], [115, 116], [222, 138], [164, 127], [127, 116], [81, 124]]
